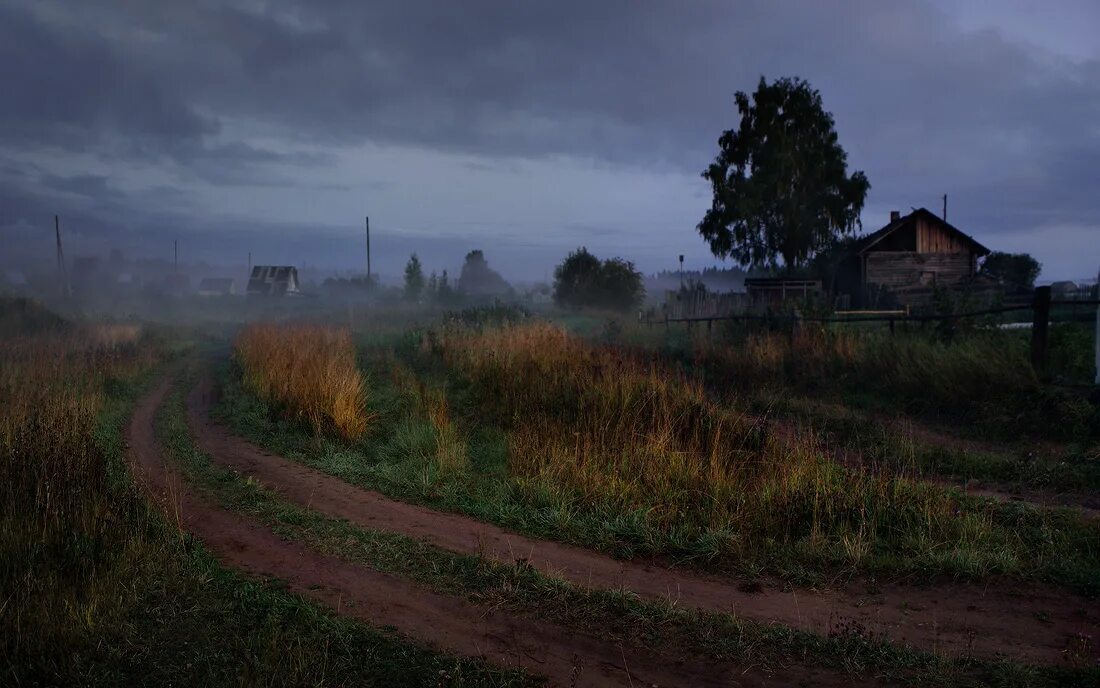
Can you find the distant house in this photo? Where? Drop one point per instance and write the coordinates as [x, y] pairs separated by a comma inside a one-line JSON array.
[[273, 280], [1065, 289], [216, 286], [903, 262]]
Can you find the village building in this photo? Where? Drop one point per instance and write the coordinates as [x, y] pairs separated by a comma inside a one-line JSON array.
[[216, 286], [273, 280], [906, 261]]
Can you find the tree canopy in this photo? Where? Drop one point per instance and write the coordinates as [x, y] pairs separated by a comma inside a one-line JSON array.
[[582, 280], [780, 184], [478, 279], [1018, 270]]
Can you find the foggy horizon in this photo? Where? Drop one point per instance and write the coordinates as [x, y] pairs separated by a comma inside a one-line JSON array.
[[524, 131]]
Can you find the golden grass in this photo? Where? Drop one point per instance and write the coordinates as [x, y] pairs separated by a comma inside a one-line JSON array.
[[595, 425], [309, 371], [908, 365], [52, 390]]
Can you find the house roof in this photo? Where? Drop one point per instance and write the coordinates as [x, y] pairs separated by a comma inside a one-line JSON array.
[[273, 279], [873, 238]]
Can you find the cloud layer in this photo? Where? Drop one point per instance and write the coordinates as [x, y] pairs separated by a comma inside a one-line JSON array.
[[141, 118]]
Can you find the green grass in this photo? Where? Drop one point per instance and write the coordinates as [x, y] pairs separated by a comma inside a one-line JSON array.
[[979, 381], [1069, 469], [134, 602], [615, 615], [984, 538]]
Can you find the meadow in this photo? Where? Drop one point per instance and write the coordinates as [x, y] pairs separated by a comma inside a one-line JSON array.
[[635, 449], [636, 442]]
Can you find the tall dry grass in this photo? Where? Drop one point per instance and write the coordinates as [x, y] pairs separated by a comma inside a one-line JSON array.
[[52, 387], [63, 498], [907, 365], [983, 380], [600, 429], [307, 370]]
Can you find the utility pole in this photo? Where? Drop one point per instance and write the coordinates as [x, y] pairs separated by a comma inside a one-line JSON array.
[[62, 277], [175, 256], [368, 250], [250, 262], [945, 207], [681, 272]]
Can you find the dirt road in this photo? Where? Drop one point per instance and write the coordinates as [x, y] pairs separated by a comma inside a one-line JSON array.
[[564, 657], [1028, 622]]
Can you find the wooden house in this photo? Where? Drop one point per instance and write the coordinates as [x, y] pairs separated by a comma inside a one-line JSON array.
[[273, 280], [905, 261]]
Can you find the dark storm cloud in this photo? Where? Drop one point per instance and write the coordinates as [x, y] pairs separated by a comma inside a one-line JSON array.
[[1008, 130], [70, 88]]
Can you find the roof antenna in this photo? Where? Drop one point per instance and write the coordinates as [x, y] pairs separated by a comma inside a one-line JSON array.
[[945, 207]]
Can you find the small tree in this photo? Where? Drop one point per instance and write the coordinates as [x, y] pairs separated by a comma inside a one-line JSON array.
[[1017, 270], [414, 279], [576, 280], [478, 279], [620, 285], [444, 293], [583, 280], [780, 184]]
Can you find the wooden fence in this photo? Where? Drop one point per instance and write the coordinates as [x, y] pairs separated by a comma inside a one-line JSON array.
[[1040, 307]]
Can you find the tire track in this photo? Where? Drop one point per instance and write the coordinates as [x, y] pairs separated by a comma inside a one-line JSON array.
[[564, 657], [1018, 621]]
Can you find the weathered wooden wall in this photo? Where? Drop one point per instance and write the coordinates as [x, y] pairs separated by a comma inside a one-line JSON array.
[[932, 238], [896, 269]]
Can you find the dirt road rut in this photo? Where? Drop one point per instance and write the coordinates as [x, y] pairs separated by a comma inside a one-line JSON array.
[[564, 657], [1020, 621]]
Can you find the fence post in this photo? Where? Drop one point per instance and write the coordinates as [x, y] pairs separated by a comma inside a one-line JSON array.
[[796, 325], [1040, 329]]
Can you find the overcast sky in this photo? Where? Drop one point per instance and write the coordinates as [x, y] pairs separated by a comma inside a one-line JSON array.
[[524, 128]]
